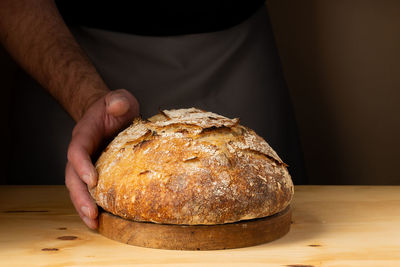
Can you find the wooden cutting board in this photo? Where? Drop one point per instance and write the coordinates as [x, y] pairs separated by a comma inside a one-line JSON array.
[[195, 237]]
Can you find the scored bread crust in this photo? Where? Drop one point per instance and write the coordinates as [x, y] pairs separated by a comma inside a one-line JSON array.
[[189, 166]]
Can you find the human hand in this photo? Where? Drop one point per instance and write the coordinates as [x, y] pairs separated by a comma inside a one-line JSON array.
[[102, 120]]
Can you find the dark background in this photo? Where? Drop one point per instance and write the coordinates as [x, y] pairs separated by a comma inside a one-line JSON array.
[[341, 60]]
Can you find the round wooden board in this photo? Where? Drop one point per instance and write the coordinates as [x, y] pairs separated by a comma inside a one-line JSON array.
[[195, 237]]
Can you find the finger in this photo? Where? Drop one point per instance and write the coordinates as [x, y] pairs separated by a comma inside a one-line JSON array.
[[79, 156], [86, 138], [80, 197]]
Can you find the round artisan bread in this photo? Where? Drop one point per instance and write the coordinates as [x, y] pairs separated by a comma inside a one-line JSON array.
[[189, 166]]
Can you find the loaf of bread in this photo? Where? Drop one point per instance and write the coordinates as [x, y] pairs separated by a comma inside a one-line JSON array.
[[189, 166]]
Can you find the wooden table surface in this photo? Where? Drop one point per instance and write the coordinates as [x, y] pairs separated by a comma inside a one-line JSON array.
[[332, 226]]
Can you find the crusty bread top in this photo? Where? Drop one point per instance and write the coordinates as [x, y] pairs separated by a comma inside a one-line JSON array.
[[189, 166]]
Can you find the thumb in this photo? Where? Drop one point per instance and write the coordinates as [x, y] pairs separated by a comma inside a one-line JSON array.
[[117, 104]]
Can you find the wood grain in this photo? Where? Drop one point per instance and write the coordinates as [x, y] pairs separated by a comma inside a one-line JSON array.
[[195, 237], [332, 226]]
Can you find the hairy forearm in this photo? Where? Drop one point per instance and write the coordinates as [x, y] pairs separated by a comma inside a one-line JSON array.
[[35, 35]]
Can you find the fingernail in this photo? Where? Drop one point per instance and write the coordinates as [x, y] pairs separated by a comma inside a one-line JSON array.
[[115, 99], [118, 109], [86, 177], [89, 222], [89, 180], [86, 211]]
